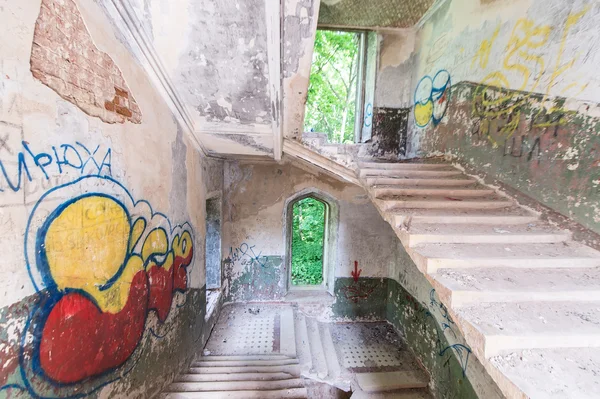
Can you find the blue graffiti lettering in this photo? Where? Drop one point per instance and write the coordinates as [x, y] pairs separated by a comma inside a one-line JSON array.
[[245, 251], [77, 157]]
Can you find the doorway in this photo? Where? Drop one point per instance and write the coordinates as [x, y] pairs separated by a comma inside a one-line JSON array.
[[308, 242]]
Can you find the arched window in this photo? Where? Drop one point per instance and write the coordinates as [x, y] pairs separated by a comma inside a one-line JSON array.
[[311, 227]]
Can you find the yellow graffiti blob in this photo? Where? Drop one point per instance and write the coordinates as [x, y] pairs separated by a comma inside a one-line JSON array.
[[482, 57], [423, 113], [86, 246]]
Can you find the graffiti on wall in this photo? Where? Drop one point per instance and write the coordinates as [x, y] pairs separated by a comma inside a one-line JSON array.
[[100, 262], [29, 165], [431, 98], [499, 111], [358, 290], [368, 115]]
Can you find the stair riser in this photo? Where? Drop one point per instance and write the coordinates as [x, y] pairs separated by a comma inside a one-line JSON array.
[[434, 264], [466, 298], [402, 166], [243, 358], [466, 193], [245, 363], [295, 393], [495, 220], [416, 239], [235, 386], [409, 173], [476, 205], [494, 345], [293, 370], [233, 377], [420, 182]]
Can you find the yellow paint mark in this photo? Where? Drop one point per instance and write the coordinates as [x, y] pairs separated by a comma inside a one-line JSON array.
[[182, 246], [86, 246], [483, 54], [138, 229], [423, 113], [572, 19], [156, 244]]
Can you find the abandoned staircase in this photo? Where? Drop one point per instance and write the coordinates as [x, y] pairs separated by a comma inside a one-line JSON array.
[[307, 368], [525, 295]]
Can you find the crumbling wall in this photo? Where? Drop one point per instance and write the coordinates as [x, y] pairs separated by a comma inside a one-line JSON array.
[[509, 88], [254, 230], [103, 292]]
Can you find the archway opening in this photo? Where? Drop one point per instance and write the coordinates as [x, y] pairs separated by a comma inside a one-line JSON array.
[[309, 218]]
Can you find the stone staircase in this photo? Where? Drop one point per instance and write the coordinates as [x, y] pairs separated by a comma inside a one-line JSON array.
[[247, 377], [524, 294], [319, 362]]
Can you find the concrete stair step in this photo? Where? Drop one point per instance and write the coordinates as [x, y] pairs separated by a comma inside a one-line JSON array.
[[319, 362], [291, 369], [431, 257], [410, 173], [244, 363], [232, 377], [413, 181], [287, 334], [302, 344], [552, 373], [393, 380], [399, 394], [334, 370], [463, 287], [220, 386], [403, 165], [484, 234], [497, 327], [395, 191], [294, 393], [228, 358], [445, 202], [503, 216]]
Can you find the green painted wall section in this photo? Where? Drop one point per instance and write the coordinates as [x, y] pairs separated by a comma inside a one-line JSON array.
[[424, 334], [364, 299], [261, 279]]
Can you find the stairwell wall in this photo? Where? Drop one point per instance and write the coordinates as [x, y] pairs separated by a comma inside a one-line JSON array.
[[254, 229], [509, 88], [102, 206]]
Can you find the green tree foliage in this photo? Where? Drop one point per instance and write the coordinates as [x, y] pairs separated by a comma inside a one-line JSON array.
[[330, 106], [307, 242]]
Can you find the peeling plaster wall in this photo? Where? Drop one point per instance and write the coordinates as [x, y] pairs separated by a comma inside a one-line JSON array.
[[89, 209], [299, 30], [253, 229], [392, 100], [511, 88], [413, 307]]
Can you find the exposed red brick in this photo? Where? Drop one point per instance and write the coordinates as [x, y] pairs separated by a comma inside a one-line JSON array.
[[64, 58]]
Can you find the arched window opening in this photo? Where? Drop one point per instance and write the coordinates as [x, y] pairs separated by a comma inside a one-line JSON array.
[[308, 239]]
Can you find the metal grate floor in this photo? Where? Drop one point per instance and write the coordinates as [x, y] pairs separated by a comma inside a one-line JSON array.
[[371, 347], [249, 330], [368, 356]]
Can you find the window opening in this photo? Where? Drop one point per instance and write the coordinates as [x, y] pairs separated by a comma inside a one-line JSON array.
[[335, 94]]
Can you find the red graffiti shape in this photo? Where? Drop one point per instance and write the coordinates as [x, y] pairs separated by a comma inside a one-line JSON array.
[[180, 265], [356, 273], [161, 291], [79, 341]]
